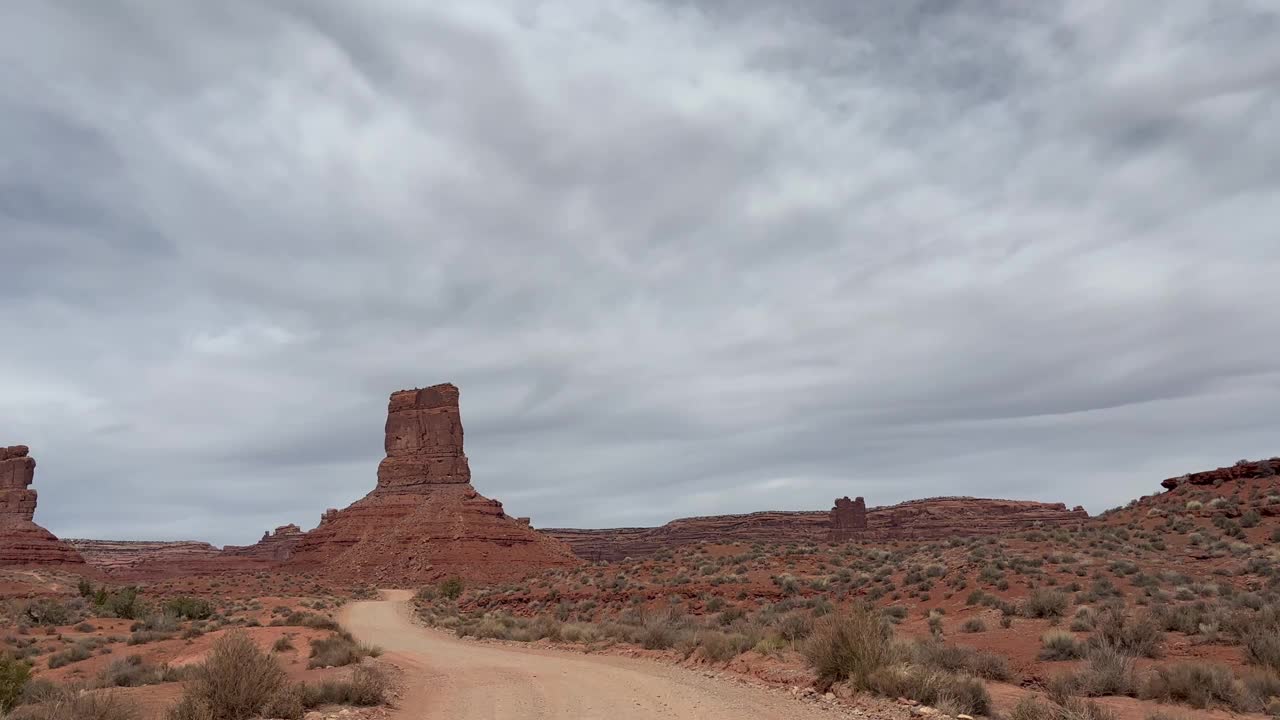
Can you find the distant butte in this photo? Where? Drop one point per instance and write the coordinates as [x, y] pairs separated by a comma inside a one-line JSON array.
[[424, 520]]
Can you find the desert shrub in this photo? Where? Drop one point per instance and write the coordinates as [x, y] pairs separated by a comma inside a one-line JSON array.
[[1137, 637], [51, 612], [722, 647], [1107, 671], [1029, 708], [794, 627], [123, 603], [451, 589], [1045, 603], [13, 678], [338, 650], [425, 595], [75, 653], [1262, 647], [142, 637], [236, 682], [80, 706], [950, 693], [1199, 685], [189, 608], [282, 644], [661, 629], [367, 686], [133, 672], [953, 658], [974, 625], [849, 646], [1058, 645], [311, 620]]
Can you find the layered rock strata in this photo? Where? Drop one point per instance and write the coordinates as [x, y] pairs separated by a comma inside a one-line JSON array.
[[123, 555], [22, 541], [424, 520]]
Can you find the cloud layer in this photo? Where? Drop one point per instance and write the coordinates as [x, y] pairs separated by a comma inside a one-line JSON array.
[[682, 258]]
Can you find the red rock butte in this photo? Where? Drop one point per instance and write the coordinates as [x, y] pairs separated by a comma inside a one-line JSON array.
[[424, 520], [22, 542]]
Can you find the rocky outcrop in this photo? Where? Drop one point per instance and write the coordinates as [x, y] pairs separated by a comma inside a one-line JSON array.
[[424, 520], [22, 541], [275, 546], [123, 555], [1243, 470], [930, 519], [848, 519]]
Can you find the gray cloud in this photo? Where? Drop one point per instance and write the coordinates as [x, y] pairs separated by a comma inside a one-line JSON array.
[[681, 257]]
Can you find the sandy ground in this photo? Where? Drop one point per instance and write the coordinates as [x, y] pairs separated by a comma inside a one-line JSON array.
[[459, 680]]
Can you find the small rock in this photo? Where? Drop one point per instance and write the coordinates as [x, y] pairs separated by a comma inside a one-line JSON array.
[[829, 696], [964, 717]]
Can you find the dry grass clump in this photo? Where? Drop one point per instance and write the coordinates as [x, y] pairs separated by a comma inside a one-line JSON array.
[[952, 694], [849, 646], [338, 650], [79, 706], [1045, 603], [1059, 645], [1199, 685], [1029, 708], [237, 682], [367, 686]]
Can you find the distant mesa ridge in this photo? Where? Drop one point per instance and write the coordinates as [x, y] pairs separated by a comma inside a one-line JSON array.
[[926, 519]]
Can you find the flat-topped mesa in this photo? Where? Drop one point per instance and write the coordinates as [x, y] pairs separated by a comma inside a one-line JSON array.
[[1243, 470], [928, 519], [423, 441], [423, 520], [22, 542]]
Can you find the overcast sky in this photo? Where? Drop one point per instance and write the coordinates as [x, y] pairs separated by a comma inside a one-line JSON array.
[[682, 258]]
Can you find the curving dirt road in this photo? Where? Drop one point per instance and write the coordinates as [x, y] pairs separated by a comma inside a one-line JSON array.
[[463, 680]]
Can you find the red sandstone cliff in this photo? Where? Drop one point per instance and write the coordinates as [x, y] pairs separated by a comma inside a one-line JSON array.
[[423, 520], [22, 542], [933, 518], [1243, 470]]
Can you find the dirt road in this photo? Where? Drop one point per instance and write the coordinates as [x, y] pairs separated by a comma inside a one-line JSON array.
[[463, 680]]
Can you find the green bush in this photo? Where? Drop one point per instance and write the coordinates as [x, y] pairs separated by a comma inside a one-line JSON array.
[[189, 608], [13, 678], [451, 588]]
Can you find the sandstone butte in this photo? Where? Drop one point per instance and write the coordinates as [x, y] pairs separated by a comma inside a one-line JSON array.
[[928, 519], [22, 542], [424, 520]]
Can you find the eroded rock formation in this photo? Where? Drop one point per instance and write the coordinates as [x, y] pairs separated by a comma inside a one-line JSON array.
[[22, 541], [1243, 470], [276, 546], [930, 519], [424, 520], [848, 519]]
